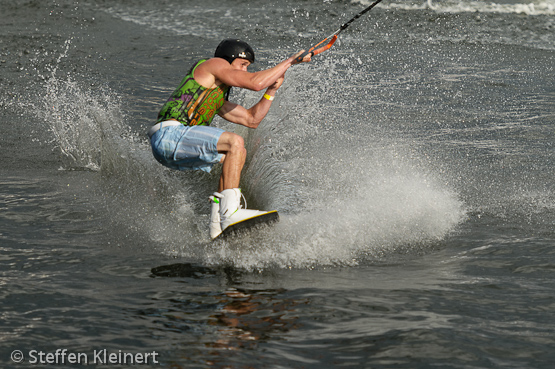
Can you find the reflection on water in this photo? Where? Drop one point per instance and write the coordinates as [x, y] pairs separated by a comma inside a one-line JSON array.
[[233, 320], [248, 316]]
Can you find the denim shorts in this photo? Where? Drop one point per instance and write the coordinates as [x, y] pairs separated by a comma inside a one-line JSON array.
[[187, 148]]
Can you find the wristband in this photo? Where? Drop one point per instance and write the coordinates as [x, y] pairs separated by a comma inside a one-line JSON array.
[[268, 97]]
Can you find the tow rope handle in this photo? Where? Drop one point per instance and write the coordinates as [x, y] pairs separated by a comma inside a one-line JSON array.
[[313, 52]]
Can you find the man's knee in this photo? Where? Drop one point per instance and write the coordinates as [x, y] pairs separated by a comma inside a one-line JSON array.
[[238, 141], [231, 143], [237, 144]]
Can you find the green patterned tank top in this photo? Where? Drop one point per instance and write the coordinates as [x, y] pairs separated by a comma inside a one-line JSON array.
[[193, 104]]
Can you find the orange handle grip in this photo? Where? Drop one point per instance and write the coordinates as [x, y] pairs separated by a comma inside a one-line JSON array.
[[313, 52], [325, 47]]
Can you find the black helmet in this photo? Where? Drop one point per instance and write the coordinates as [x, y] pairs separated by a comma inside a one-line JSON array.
[[232, 49]]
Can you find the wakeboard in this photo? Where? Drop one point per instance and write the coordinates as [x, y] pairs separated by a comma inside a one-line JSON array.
[[248, 224]]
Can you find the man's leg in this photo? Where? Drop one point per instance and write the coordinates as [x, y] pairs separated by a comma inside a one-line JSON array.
[[233, 146]]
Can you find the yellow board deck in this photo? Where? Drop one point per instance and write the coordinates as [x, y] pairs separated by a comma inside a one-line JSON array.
[[244, 225]]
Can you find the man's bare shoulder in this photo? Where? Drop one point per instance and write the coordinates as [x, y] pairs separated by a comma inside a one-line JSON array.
[[214, 64], [207, 73]]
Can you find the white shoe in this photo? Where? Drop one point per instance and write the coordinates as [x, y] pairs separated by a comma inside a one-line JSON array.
[[215, 227], [230, 208]]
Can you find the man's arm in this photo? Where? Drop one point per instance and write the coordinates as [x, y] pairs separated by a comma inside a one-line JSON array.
[[256, 81], [252, 117], [221, 71]]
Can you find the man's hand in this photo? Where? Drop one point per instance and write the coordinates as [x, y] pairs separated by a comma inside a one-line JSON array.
[[305, 59], [277, 84]]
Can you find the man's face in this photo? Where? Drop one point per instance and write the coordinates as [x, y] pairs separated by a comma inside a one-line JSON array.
[[241, 64]]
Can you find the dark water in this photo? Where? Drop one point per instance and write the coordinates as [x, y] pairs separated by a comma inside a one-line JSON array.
[[412, 165]]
